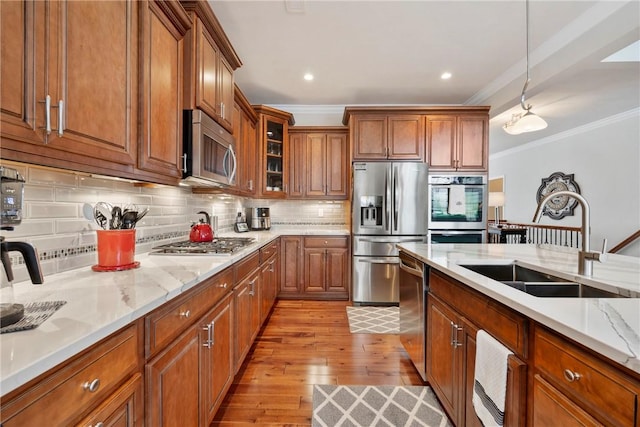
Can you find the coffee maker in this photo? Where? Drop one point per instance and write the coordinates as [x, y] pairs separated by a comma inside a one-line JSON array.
[[12, 193], [259, 218]]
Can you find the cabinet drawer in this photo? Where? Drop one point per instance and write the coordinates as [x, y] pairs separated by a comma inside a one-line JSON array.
[[60, 398], [599, 388], [326, 242], [267, 251], [246, 265], [165, 323]]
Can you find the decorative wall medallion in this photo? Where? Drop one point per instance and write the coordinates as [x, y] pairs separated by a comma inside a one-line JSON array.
[[561, 206]]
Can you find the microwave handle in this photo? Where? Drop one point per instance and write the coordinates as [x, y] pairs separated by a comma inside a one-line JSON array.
[[234, 166]]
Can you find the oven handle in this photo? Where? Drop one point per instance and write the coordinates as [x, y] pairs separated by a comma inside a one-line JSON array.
[[385, 240], [410, 270]]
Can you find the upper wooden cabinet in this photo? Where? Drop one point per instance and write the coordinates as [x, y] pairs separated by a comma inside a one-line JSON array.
[[457, 142], [273, 143], [245, 133], [318, 163], [209, 64], [447, 138]]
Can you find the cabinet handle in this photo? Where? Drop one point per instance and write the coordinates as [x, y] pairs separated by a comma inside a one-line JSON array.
[[451, 334], [184, 163], [60, 118], [571, 376], [207, 342], [92, 386], [455, 332], [387, 152], [47, 114], [252, 291], [185, 314], [271, 265], [222, 285], [222, 109], [99, 424], [250, 185], [213, 333]]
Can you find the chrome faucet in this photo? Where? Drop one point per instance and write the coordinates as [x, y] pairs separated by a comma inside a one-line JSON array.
[[585, 256]]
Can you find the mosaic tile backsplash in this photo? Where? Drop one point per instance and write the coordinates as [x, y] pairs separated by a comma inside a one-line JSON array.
[[54, 222]]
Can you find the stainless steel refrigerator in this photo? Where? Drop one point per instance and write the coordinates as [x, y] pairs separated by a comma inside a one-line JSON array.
[[389, 206]]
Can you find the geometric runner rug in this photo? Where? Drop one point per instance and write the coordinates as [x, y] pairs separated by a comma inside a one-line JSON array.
[[374, 320], [365, 406]]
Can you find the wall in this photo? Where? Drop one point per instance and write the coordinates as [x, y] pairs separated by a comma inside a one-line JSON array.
[[55, 224], [605, 160]]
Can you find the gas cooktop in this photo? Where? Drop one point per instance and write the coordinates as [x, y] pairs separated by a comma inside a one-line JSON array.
[[219, 246]]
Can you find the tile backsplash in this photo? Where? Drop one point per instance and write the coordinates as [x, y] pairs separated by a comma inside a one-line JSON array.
[[53, 219]]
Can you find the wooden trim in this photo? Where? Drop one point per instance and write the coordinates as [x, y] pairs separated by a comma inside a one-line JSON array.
[[273, 112], [318, 129], [633, 237], [244, 103], [545, 227], [453, 109]]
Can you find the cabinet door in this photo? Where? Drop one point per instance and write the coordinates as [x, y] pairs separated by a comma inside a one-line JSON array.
[[171, 383], [161, 142], [243, 312], [337, 280], [269, 283], [406, 137], [296, 165], [337, 166], [124, 408], [443, 360], [275, 156], [315, 147], [291, 266], [206, 84], [225, 93], [369, 137], [315, 272], [551, 407], [441, 142], [216, 358], [472, 143]]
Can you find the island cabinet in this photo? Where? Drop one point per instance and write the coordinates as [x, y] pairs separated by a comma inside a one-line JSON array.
[[189, 351], [457, 142], [244, 131], [573, 386], [273, 146], [210, 61], [455, 313], [318, 163], [100, 385]]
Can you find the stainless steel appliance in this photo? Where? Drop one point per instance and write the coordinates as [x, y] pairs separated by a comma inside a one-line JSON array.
[[413, 311], [389, 206], [259, 218], [457, 209], [219, 246], [209, 157]]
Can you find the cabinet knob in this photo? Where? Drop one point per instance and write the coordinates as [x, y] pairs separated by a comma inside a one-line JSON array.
[[571, 376], [91, 386], [222, 285], [185, 314]]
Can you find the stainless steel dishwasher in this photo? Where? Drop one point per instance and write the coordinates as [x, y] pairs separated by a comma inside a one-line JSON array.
[[413, 313]]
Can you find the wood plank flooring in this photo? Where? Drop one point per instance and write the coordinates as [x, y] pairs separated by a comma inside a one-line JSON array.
[[306, 343]]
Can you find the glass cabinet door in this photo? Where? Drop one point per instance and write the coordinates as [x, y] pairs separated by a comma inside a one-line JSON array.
[[274, 166]]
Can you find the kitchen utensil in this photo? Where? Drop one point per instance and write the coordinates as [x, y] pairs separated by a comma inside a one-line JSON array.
[[87, 212], [129, 219], [101, 220], [201, 231], [104, 209], [141, 215], [116, 218]]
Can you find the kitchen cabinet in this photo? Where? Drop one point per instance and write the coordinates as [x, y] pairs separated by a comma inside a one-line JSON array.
[[70, 84], [190, 354], [318, 163], [569, 382], [248, 305], [269, 276], [291, 266], [387, 137], [244, 131], [210, 61], [457, 142], [273, 143], [123, 408], [326, 267], [455, 314], [97, 383]]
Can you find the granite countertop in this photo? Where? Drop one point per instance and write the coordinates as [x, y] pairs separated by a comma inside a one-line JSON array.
[[99, 304], [609, 326]]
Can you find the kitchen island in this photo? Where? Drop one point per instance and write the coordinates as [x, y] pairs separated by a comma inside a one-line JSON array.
[[573, 358]]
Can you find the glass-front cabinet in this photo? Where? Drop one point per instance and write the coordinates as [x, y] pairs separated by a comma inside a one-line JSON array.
[[274, 144]]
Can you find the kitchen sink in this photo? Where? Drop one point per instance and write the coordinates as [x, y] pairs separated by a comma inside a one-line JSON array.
[[537, 283]]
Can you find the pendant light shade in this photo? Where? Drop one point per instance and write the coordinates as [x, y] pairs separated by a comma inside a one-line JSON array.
[[527, 122]]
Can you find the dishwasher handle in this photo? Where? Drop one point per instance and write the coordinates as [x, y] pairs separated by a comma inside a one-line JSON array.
[[416, 269]]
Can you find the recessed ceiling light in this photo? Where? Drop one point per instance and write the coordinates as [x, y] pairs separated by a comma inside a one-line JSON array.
[[308, 77], [446, 75]]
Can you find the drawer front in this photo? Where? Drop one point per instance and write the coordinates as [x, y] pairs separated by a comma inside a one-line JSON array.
[[326, 242], [164, 324], [267, 251], [60, 398], [246, 265], [601, 390]]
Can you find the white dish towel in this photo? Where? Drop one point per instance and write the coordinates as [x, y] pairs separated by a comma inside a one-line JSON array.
[[490, 379], [457, 201]]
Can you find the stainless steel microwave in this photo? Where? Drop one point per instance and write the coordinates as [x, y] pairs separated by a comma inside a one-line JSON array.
[[209, 157]]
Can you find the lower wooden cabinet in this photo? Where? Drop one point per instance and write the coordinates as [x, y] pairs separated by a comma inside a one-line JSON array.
[[247, 314], [123, 408], [551, 408], [315, 267]]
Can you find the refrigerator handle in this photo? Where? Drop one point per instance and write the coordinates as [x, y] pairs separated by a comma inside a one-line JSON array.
[[396, 196], [387, 200]]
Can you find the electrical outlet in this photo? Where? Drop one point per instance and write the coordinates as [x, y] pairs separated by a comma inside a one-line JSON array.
[[320, 213]]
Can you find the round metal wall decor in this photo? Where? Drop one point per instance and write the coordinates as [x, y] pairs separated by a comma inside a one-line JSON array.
[[561, 206]]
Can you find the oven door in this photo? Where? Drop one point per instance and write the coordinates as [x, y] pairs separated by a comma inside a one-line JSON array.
[[457, 236], [457, 206]]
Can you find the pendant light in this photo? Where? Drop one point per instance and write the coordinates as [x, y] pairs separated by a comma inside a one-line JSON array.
[[527, 122]]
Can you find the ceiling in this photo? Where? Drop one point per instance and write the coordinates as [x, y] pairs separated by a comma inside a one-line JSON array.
[[393, 53]]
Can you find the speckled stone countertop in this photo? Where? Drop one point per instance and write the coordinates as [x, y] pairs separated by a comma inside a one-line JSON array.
[[609, 326], [100, 303]]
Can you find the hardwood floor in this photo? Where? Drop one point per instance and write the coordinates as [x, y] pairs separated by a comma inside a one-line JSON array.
[[306, 343]]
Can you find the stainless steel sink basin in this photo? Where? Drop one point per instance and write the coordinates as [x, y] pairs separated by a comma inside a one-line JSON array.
[[537, 283]]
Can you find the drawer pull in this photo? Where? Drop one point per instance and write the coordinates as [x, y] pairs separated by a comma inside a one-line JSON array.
[[222, 285], [91, 386], [100, 424], [571, 376], [185, 314]]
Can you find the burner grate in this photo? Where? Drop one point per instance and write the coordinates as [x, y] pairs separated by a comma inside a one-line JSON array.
[[220, 246]]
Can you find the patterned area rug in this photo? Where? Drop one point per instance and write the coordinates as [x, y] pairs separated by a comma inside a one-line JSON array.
[[373, 320], [365, 406]]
